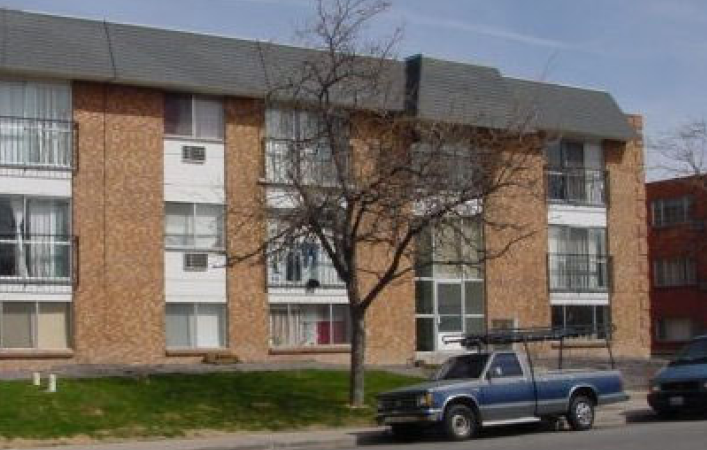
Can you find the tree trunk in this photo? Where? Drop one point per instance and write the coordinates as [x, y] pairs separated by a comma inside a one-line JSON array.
[[358, 352]]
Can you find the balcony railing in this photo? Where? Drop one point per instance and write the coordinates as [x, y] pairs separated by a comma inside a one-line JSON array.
[[579, 273], [293, 272], [577, 186], [42, 262], [288, 162], [36, 144]]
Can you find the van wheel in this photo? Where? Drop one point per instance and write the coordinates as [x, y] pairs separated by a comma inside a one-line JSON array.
[[581, 414], [460, 423]]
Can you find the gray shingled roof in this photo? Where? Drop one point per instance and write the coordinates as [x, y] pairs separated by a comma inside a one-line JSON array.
[[82, 49], [572, 110], [459, 93]]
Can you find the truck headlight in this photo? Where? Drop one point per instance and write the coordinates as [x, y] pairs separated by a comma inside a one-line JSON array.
[[424, 400]]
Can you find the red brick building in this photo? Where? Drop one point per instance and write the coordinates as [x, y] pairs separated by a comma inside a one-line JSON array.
[[677, 240]]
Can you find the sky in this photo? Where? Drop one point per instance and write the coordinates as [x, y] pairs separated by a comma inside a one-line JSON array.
[[651, 55]]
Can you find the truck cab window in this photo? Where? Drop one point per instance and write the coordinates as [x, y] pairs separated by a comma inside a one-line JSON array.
[[505, 365], [467, 366]]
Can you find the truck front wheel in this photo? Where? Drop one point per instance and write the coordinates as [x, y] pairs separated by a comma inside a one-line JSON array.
[[581, 413], [460, 423]]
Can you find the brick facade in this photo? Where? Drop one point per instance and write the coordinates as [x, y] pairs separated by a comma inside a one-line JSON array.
[[685, 240], [118, 216]]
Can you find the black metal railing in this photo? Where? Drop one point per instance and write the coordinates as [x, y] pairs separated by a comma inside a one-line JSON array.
[[579, 186], [579, 273], [41, 144], [37, 261], [288, 162], [293, 272]]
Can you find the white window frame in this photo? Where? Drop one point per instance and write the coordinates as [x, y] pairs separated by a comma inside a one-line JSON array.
[[34, 325], [194, 248], [194, 331]]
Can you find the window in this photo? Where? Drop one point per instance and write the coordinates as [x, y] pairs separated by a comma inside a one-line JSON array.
[[674, 329], [32, 325], [451, 250], [505, 365], [577, 259], [193, 116], [298, 148], [462, 367], [195, 325], [301, 264], [194, 225], [594, 317], [35, 124], [34, 238], [304, 325], [674, 272], [671, 211], [575, 173], [449, 167]]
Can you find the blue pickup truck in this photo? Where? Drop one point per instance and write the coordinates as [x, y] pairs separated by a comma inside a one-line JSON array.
[[484, 389], [682, 385]]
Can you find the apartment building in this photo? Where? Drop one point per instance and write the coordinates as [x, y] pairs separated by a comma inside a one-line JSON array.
[[125, 149], [677, 245]]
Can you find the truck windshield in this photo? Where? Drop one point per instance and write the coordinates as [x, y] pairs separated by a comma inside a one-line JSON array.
[[467, 366], [694, 353]]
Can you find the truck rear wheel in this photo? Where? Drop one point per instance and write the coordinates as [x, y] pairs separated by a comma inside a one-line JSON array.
[[460, 423], [581, 413]]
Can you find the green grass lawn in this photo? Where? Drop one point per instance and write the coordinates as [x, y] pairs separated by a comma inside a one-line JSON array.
[[169, 405]]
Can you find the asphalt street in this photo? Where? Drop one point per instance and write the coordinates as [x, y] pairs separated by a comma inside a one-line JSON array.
[[688, 434]]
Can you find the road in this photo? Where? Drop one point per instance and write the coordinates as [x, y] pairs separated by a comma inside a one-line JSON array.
[[653, 435]]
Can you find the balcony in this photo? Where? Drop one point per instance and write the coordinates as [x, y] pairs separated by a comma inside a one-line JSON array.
[[300, 270], [39, 144], [309, 165], [580, 186], [42, 264], [579, 273]]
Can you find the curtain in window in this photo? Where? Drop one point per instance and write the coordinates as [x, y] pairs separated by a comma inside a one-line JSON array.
[[47, 240], [18, 210], [35, 126], [208, 114], [208, 224], [53, 326], [178, 325], [16, 324], [179, 224], [210, 326]]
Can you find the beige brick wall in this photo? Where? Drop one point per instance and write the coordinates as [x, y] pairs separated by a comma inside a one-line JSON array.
[[247, 297], [119, 220], [516, 282], [628, 246]]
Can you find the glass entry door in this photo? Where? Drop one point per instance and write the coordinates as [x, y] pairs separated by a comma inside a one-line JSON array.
[[449, 313]]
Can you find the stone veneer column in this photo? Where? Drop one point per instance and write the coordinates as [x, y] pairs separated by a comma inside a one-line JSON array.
[[118, 216], [627, 230], [248, 312], [516, 282]]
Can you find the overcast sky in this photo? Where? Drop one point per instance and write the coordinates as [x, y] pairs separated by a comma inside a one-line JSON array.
[[650, 54]]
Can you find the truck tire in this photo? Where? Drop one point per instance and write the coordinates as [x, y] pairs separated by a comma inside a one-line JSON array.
[[460, 423], [405, 432], [581, 413]]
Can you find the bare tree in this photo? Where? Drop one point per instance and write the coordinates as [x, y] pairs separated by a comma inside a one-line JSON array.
[[368, 183], [683, 153]]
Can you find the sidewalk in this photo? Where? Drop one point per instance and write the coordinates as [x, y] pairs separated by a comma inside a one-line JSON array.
[[610, 416]]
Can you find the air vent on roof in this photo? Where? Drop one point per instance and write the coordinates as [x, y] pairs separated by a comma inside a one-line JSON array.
[[193, 154], [196, 262]]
